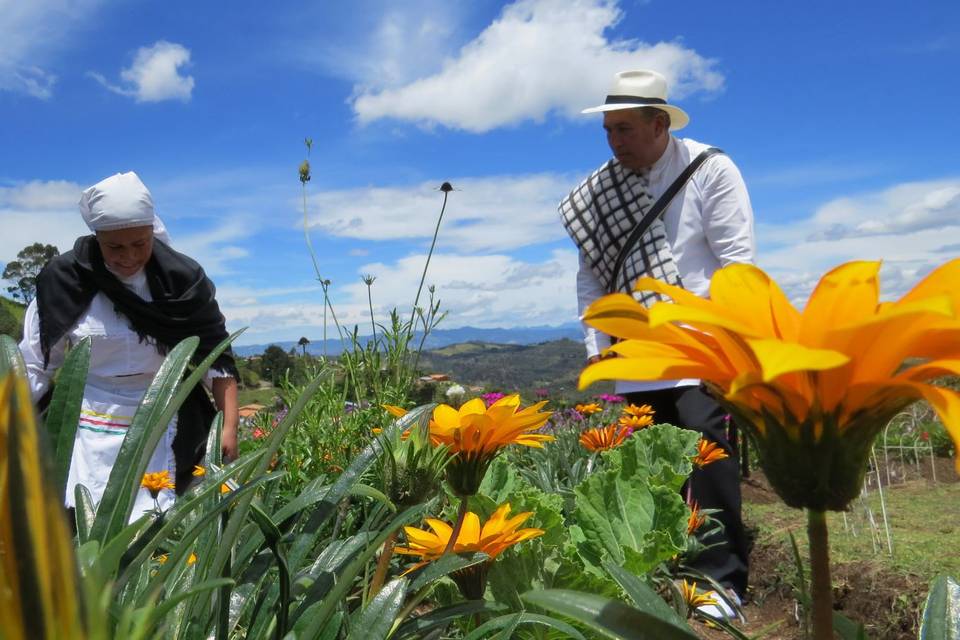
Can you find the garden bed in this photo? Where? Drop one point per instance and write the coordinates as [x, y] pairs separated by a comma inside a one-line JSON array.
[[886, 592]]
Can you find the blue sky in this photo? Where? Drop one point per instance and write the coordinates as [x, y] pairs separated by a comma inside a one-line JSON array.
[[841, 117]]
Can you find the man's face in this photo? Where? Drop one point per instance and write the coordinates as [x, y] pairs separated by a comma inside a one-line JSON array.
[[635, 139], [126, 251]]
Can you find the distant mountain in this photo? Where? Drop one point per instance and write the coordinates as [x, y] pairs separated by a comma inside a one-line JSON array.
[[440, 338]]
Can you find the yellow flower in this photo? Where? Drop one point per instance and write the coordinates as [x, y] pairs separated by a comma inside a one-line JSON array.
[[604, 438], [588, 409], [693, 599], [635, 423], [496, 535], [708, 453], [695, 520], [814, 387], [638, 411], [224, 488], [156, 482], [162, 558], [199, 471], [475, 433], [191, 559]]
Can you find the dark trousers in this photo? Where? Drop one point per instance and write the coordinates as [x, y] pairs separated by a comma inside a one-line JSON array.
[[717, 486]]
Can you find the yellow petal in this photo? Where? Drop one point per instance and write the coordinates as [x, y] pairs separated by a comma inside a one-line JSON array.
[[470, 530], [394, 410], [942, 280], [845, 295], [665, 368], [664, 312], [750, 294], [446, 417], [777, 358]]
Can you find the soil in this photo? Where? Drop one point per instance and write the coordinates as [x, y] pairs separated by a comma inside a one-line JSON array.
[[888, 602]]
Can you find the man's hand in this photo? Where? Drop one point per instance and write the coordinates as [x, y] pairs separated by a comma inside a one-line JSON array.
[[225, 397]]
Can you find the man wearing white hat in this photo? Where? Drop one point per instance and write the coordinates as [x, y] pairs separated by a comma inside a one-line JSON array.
[[677, 210]]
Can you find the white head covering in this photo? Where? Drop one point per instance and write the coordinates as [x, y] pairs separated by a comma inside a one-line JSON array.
[[121, 201]]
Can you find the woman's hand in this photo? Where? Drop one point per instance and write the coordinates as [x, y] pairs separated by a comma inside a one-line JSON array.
[[225, 397]]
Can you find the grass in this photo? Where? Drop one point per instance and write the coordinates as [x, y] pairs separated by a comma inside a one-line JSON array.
[[923, 520], [259, 396]]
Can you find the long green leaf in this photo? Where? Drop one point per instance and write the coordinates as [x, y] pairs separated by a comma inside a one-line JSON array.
[[642, 595], [63, 413], [376, 620], [158, 406], [443, 616], [10, 357], [513, 620], [322, 612], [162, 609], [611, 618], [145, 430], [941, 613], [444, 566], [85, 512]]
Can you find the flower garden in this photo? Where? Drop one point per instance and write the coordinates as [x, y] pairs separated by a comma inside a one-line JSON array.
[[357, 513]]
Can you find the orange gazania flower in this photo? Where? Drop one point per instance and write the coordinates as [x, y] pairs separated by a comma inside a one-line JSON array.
[[589, 408], [695, 520], [475, 434], [156, 482], [604, 438], [199, 471], [708, 453], [814, 387]]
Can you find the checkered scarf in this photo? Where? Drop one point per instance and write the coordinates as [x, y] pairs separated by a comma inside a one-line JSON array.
[[599, 215]]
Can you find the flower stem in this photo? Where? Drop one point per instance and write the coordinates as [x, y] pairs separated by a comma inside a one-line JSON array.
[[461, 514], [821, 590], [383, 564]]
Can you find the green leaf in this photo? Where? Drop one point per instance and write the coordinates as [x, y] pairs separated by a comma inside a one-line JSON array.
[[632, 513], [445, 566], [941, 613], [442, 616], [643, 595], [63, 413], [847, 629], [85, 512], [377, 619], [511, 621], [611, 618], [10, 357], [148, 425], [660, 453]]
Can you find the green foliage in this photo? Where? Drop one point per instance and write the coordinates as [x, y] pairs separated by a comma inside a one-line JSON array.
[[941, 613], [631, 513], [274, 364], [24, 270]]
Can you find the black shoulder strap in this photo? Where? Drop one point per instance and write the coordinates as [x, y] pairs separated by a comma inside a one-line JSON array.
[[657, 209]]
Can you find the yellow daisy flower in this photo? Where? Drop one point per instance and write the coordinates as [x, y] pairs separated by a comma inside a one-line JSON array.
[[497, 534], [156, 482], [588, 409], [815, 387]]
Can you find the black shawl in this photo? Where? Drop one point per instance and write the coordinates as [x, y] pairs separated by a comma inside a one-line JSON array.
[[183, 305]]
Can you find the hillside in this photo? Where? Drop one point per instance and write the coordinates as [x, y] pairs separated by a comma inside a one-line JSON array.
[[11, 317], [551, 365]]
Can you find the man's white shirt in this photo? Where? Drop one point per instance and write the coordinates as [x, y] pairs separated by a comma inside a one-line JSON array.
[[709, 225]]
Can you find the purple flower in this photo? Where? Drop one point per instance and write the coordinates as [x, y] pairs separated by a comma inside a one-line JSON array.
[[493, 396], [611, 398]]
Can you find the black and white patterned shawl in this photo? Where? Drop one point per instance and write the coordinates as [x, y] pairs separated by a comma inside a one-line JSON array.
[[599, 215]]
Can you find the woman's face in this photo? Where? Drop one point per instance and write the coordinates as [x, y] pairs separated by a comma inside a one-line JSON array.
[[126, 251]]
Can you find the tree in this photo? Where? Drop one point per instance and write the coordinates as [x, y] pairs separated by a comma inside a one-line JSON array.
[[24, 270], [303, 342], [274, 363]]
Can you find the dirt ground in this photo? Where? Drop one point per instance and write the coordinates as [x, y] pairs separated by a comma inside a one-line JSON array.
[[888, 602]]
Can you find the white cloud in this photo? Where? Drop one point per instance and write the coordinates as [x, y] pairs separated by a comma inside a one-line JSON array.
[[482, 291], [494, 213], [31, 34], [912, 227], [155, 74], [39, 211], [537, 57]]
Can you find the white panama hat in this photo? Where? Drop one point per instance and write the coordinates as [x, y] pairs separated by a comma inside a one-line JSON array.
[[641, 88]]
